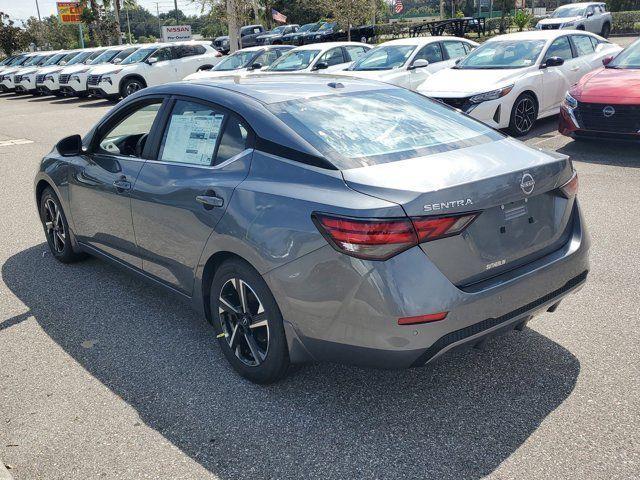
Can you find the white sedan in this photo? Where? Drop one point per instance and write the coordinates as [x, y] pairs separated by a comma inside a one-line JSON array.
[[319, 57], [408, 62], [512, 80]]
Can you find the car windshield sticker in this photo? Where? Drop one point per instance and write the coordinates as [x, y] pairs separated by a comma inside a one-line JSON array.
[[192, 138]]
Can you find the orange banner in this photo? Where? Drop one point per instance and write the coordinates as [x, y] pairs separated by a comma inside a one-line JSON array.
[[70, 12]]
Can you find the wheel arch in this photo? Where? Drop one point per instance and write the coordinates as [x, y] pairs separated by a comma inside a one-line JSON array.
[[131, 76]]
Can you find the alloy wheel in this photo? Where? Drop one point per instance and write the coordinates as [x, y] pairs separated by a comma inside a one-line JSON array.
[[54, 225], [244, 322], [132, 87], [525, 115]]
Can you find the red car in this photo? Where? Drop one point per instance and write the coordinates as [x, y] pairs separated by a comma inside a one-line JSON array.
[[606, 102]]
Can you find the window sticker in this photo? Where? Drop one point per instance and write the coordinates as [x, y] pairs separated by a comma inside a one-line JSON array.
[[192, 139]]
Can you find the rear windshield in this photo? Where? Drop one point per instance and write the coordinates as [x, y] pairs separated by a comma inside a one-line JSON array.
[[373, 127]]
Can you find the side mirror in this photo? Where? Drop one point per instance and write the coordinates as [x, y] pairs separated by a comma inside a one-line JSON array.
[[419, 63], [116, 61], [70, 146], [255, 66], [589, 14], [321, 66], [607, 60], [152, 60], [458, 60], [552, 62]]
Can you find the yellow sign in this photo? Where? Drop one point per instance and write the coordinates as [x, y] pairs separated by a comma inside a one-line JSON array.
[[70, 12]]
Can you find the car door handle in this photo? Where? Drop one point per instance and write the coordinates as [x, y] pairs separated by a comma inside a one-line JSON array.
[[210, 201], [122, 184]]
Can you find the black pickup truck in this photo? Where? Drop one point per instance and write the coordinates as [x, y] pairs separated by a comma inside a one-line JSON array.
[[331, 32], [275, 36], [248, 38]]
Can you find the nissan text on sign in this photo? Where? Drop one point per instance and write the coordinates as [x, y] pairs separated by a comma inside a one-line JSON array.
[[176, 33]]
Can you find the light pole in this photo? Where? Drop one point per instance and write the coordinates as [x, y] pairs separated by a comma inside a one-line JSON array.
[[38, 9]]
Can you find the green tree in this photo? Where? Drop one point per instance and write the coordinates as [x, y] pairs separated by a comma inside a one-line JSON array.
[[350, 13], [10, 35]]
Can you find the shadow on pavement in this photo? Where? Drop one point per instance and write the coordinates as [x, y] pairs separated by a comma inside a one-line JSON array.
[[603, 152], [459, 418]]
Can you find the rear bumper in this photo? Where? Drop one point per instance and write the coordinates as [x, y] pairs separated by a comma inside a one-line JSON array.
[[337, 308]]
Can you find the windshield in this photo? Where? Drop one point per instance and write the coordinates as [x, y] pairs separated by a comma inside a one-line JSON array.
[[19, 61], [628, 58], [34, 60], [93, 56], [503, 54], [380, 126], [384, 58], [81, 57], [306, 27], [294, 60], [139, 56], [54, 59], [68, 57], [568, 11], [7, 60], [327, 26], [237, 60]]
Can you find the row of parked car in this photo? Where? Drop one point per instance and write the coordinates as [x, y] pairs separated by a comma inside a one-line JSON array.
[[509, 82]]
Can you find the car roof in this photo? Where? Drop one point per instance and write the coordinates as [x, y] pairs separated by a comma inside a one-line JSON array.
[[422, 40], [537, 35], [327, 45], [269, 89], [581, 4]]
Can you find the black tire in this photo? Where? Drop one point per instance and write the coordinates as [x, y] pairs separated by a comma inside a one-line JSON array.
[[580, 27], [523, 115], [606, 30], [131, 86], [56, 228], [258, 348]]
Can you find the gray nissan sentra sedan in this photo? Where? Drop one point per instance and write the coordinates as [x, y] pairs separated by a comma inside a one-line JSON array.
[[320, 218]]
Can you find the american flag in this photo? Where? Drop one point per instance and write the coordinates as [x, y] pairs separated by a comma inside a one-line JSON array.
[[277, 16], [398, 6]]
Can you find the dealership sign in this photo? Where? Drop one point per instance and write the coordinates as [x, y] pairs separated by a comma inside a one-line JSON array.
[[70, 12], [176, 33]]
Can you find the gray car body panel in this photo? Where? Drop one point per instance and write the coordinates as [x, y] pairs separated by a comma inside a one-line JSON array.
[[335, 307]]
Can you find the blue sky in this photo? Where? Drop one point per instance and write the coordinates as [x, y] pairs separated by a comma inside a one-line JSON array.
[[23, 9]]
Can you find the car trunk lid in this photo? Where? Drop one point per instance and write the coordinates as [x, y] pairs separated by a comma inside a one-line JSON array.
[[522, 213]]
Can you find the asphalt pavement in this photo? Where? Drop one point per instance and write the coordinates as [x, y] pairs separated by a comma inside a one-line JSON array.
[[103, 376]]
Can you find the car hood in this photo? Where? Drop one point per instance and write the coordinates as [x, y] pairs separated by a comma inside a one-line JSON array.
[[49, 69], [609, 85], [106, 69], [26, 71], [9, 71], [452, 82], [556, 21], [75, 68]]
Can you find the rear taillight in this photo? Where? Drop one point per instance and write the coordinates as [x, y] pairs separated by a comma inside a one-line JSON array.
[[570, 189], [380, 239]]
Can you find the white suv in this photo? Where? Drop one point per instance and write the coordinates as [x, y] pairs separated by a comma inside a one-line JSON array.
[[7, 73], [24, 79], [591, 17], [48, 82], [29, 79], [73, 79], [153, 64]]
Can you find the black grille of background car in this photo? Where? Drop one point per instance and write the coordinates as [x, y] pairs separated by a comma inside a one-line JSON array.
[[40, 78], [17, 78], [476, 328], [64, 78], [552, 26], [93, 80], [459, 103], [626, 118]]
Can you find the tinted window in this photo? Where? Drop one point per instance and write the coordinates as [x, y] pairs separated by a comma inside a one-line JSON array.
[[454, 49], [184, 51], [127, 137], [163, 54], [560, 48], [191, 135], [354, 52], [199, 49], [233, 141], [332, 57], [431, 53], [380, 126], [583, 44]]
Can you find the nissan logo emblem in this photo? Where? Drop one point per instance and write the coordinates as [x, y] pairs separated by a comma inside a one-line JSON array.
[[527, 183], [608, 111]]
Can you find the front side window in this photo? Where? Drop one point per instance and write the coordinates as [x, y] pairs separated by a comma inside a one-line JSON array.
[[192, 134], [503, 54], [53, 60], [431, 53], [454, 49], [80, 58], [368, 128], [384, 58], [294, 60], [139, 56], [560, 48], [332, 57], [163, 54], [129, 135], [355, 52], [583, 45], [68, 58]]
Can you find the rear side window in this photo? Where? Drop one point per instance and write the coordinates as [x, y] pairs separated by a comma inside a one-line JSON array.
[[233, 141], [430, 53], [583, 45], [191, 135], [454, 49]]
